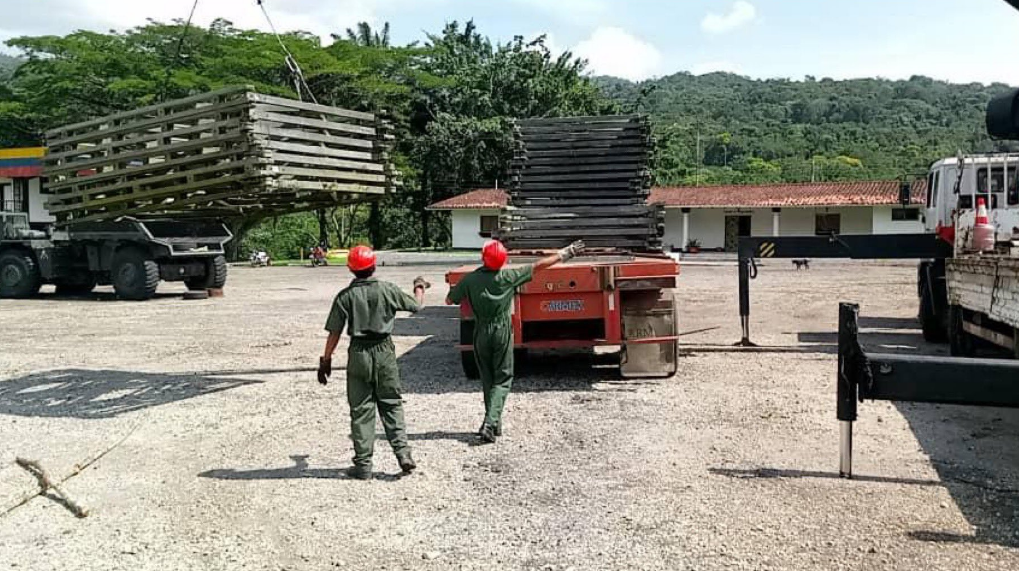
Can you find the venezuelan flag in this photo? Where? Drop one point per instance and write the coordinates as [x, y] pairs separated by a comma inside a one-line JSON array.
[[21, 163]]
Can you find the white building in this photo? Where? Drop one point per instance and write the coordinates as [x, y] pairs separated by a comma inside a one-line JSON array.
[[21, 183], [714, 217]]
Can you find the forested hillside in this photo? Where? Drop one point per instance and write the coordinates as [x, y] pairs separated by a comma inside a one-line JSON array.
[[452, 97], [781, 130]]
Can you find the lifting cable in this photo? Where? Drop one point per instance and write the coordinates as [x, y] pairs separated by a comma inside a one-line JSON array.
[[299, 83], [176, 56]]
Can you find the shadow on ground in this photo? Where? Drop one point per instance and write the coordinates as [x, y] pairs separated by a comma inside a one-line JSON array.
[[972, 449], [434, 367], [84, 393], [299, 471]]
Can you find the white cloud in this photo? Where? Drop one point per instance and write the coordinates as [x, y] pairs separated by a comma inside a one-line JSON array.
[[742, 12], [712, 66], [613, 51]]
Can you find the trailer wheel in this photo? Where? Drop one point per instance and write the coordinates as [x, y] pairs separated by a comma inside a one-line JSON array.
[[470, 365], [19, 275], [214, 278], [468, 360], [135, 275], [930, 322], [960, 343]]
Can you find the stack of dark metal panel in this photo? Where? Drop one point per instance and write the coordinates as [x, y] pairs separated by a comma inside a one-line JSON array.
[[231, 152], [582, 178]]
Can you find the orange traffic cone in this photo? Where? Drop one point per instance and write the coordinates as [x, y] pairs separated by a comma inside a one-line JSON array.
[[983, 231]]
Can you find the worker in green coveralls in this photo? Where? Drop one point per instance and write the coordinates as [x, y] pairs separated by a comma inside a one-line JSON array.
[[490, 290], [367, 308]]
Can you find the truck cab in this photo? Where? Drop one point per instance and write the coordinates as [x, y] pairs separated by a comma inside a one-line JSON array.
[[955, 184]]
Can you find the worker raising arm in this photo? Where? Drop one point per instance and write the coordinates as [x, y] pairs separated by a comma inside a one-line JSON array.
[[367, 309], [490, 290]]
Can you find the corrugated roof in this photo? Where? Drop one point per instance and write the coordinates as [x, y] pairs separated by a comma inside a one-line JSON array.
[[805, 194]]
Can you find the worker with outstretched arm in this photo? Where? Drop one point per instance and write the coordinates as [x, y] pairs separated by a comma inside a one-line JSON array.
[[367, 309], [490, 290]]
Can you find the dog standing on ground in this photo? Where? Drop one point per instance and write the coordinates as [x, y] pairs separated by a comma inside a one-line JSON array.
[[802, 264]]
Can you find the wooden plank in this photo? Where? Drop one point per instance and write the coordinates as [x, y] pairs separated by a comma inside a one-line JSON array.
[[328, 174], [143, 195], [622, 232], [524, 161], [583, 119], [149, 152], [135, 172], [279, 133], [528, 178], [170, 207], [172, 120], [539, 213], [317, 150], [523, 168], [279, 158], [589, 152], [194, 99], [577, 223], [314, 107], [329, 186], [114, 145], [291, 120], [565, 202]]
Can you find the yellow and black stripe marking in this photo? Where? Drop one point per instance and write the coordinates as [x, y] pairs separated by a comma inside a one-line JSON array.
[[766, 250]]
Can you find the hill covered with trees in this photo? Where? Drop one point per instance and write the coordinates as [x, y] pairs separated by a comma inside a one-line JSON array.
[[452, 98], [780, 130]]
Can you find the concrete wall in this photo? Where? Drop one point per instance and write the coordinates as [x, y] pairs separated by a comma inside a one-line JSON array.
[[37, 212], [467, 226], [883, 223]]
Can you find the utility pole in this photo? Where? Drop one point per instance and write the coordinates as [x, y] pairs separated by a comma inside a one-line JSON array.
[[697, 177]]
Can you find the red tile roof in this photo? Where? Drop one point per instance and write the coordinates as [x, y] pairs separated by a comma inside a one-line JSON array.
[[476, 199], [859, 193], [805, 194]]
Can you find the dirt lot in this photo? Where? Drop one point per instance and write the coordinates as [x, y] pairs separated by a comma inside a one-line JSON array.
[[233, 454]]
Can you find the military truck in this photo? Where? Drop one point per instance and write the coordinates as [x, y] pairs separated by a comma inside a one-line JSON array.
[[131, 255]]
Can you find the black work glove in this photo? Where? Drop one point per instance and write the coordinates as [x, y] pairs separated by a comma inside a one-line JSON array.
[[325, 368], [421, 282]]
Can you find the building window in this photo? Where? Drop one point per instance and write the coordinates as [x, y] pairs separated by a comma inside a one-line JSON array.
[[489, 224], [14, 196], [825, 224], [904, 214]]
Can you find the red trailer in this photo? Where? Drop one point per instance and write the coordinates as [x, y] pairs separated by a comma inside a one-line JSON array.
[[603, 298]]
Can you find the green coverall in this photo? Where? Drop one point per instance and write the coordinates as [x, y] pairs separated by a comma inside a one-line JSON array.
[[367, 308], [490, 293]]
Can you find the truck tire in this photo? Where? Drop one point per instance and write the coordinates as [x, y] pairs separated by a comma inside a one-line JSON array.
[[19, 275], [960, 343], [135, 275], [467, 359], [930, 322], [214, 278]]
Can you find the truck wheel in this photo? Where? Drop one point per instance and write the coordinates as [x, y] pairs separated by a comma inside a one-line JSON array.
[[214, 278], [960, 343], [19, 275], [135, 275], [930, 322]]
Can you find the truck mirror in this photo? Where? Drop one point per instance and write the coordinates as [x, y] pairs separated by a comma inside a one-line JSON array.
[[905, 192], [1003, 116]]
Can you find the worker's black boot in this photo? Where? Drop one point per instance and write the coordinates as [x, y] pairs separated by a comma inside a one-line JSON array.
[[498, 429], [359, 472], [487, 434], [407, 464]]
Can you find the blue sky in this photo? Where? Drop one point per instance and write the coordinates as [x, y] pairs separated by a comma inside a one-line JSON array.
[[958, 40]]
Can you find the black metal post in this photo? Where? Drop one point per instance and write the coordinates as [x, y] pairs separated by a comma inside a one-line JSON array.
[[744, 301], [847, 384]]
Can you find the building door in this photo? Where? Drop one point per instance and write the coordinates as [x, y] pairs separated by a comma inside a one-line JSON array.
[[735, 227]]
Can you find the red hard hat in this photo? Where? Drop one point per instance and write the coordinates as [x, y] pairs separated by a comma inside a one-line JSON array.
[[360, 258], [493, 255]]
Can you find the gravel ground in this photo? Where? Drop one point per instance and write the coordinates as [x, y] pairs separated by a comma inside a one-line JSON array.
[[233, 455]]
